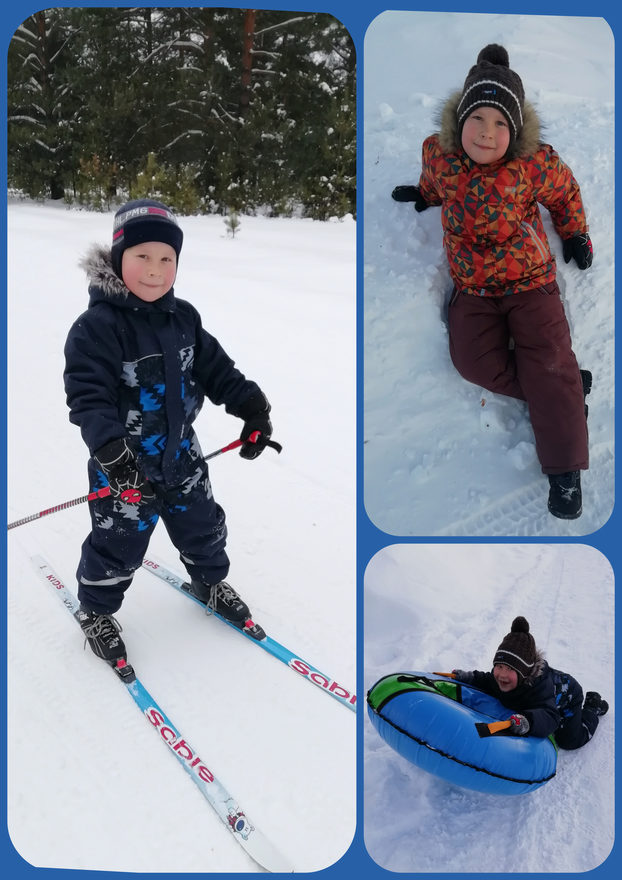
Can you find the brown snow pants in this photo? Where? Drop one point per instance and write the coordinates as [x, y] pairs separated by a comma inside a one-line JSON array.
[[541, 368]]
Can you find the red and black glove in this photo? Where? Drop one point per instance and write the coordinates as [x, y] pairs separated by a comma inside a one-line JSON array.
[[256, 414], [579, 248], [123, 472], [520, 725]]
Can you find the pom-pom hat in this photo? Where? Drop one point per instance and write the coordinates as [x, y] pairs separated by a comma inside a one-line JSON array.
[[518, 649], [491, 83], [143, 220]]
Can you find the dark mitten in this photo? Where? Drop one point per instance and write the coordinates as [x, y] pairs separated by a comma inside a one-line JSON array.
[[410, 194], [520, 725], [461, 675], [255, 412], [124, 475], [579, 247]]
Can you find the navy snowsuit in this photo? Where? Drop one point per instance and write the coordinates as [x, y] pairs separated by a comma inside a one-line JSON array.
[[552, 702], [141, 371]]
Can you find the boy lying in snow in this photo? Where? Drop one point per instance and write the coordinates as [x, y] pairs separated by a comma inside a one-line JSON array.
[[545, 700]]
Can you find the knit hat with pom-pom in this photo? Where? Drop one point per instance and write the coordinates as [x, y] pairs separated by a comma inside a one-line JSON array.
[[491, 83], [518, 648]]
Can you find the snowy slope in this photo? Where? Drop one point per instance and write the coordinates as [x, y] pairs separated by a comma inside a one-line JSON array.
[[90, 786], [435, 607], [437, 461]]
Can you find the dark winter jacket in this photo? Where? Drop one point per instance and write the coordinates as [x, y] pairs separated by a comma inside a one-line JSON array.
[[141, 370], [493, 233], [545, 699]]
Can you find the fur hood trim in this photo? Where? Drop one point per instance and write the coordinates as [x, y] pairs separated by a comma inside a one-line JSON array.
[[97, 263], [538, 669], [526, 144]]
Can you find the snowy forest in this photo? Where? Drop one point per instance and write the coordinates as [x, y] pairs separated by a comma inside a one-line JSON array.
[[212, 110]]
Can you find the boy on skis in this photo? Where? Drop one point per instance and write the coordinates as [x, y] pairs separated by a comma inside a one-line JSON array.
[[138, 366], [489, 171], [545, 700]]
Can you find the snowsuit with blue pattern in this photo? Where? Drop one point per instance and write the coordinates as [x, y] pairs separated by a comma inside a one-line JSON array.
[[141, 371], [552, 702]]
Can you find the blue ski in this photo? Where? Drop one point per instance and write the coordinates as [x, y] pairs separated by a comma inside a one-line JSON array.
[[229, 811], [298, 664]]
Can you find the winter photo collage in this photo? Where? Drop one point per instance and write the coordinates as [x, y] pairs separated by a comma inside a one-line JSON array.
[[310, 429]]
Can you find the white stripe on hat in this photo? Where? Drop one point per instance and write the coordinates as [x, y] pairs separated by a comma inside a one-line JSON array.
[[490, 82], [510, 654]]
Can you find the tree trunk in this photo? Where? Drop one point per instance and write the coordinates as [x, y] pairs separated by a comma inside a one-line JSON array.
[[247, 58]]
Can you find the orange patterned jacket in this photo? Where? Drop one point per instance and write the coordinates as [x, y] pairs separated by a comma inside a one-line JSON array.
[[494, 236]]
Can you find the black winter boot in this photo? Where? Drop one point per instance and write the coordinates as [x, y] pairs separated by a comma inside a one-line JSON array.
[[586, 381], [102, 634], [565, 500], [222, 598], [595, 703]]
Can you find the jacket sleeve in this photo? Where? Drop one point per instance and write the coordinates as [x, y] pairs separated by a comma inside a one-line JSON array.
[[428, 181], [485, 681], [92, 373], [541, 712], [556, 188], [217, 374]]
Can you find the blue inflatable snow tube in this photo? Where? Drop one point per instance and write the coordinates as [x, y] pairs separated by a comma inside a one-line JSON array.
[[430, 720]]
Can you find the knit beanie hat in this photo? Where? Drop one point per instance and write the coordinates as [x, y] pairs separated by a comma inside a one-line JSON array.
[[518, 648], [143, 220], [491, 83]]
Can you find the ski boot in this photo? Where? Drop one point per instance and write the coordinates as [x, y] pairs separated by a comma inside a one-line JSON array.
[[595, 703], [565, 499], [223, 599], [102, 634]]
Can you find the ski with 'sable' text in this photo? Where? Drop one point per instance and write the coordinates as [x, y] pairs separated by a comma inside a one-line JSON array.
[[298, 664], [225, 805]]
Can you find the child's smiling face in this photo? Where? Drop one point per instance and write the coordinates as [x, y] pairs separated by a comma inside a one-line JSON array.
[[486, 135], [505, 676], [149, 269]]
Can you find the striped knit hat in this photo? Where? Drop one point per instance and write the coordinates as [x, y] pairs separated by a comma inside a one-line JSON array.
[[143, 220], [518, 649], [491, 83]]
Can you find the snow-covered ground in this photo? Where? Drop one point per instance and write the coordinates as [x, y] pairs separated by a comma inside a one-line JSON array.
[[437, 461], [442, 607], [89, 785]]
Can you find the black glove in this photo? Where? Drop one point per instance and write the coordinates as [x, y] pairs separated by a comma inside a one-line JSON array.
[[579, 247], [410, 194], [255, 412], [520, 725], [461, 675], [125, 477]]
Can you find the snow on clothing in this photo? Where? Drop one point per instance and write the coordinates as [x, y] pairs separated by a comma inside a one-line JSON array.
[[551, 700], [141, 371], [504, 276]]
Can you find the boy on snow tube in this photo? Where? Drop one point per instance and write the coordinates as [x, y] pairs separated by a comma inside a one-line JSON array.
[[545, 700]]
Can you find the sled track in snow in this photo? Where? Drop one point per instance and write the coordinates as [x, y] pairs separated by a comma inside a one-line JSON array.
[[525, 508]]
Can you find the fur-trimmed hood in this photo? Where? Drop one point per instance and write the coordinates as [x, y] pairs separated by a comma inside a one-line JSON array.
[[105, 284], [526, 144], [97, 263], [538, 669]]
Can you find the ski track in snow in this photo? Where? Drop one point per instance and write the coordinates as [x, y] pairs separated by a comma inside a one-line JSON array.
[[444, 607], [433, 464]]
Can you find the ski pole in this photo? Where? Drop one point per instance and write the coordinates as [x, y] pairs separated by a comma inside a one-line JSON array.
[[131, 496]]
